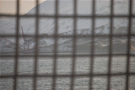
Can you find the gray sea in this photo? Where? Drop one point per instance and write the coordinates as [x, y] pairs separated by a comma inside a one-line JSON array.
[[45, 66]]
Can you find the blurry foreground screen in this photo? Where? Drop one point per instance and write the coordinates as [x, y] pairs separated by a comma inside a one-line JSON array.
[[67, 45]]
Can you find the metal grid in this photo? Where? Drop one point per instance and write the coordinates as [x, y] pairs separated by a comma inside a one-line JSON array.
[[74, 54]]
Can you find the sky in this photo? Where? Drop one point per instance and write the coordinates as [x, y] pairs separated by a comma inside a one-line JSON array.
[[9, 6]]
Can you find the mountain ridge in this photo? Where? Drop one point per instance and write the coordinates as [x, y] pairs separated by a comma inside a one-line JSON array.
[[47, 25]]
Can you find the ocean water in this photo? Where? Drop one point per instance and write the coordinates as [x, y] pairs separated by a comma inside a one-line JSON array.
[[64, 68]]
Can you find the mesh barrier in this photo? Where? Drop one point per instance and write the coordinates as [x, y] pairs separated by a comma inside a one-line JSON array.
[[76, 59]]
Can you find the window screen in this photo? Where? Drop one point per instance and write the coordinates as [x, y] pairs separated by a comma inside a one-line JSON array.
[[68, 45]]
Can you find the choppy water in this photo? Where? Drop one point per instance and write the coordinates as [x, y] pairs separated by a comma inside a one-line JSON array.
[[64, 67]]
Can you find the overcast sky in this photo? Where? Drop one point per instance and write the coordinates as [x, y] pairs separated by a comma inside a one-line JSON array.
[[9, 6]]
